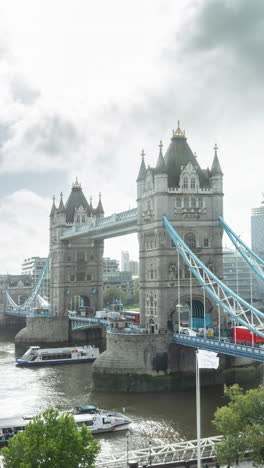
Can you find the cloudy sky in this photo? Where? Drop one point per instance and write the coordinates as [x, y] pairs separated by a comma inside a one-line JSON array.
[[85, 85]]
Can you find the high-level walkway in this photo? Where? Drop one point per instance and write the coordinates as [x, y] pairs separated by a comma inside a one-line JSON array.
[[118, 224]]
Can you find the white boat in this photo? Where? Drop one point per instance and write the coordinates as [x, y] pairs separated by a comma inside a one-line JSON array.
[[35, 356], [96, 423]]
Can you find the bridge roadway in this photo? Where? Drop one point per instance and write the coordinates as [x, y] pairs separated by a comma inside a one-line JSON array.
[[224, 347], [254, 353], [173, 454]]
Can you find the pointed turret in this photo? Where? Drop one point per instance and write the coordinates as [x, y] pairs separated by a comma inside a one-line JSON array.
[[53, 208], [216, 168], [178, 155], [75, 200], [61, 208], [142, 170], [100, 210], [161, 166]]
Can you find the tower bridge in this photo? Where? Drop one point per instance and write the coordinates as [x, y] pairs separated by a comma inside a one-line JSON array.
[[174, 289]]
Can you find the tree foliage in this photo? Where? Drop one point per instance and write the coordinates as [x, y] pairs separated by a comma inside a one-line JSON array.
[[49, 441], [241, 422], [112, 293]]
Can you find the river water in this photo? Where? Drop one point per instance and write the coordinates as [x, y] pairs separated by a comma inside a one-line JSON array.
[[157, 417]]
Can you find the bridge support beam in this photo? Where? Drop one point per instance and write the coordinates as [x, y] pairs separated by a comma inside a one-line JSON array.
[[41, 330]]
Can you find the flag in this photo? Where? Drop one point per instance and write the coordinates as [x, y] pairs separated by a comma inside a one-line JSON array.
[[207, 359]]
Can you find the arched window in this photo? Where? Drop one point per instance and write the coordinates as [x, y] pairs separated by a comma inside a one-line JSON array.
[[78, 219], [83, 218], [190, 240]]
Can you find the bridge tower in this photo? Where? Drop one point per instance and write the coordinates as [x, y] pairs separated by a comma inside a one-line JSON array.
[[192, 199], [76, 276]]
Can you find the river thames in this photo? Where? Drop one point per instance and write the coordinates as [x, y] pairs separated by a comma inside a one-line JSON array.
[[157, 417]]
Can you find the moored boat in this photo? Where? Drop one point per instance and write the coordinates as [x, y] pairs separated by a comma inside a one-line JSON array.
[[35, 356]]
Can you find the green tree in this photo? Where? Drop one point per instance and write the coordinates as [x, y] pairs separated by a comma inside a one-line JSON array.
[[50, 441], [241, 422], [112, 293]]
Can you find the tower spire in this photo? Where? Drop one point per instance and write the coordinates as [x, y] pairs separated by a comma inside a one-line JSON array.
[[142, 169]]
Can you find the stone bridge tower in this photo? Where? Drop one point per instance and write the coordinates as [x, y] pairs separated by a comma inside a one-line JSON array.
[[192, 199], [76, 265]]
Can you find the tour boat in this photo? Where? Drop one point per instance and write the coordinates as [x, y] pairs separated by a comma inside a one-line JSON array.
[[96, 423], [35, 356]]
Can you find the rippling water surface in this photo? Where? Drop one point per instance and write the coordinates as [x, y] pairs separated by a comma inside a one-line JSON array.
[[159, 417]]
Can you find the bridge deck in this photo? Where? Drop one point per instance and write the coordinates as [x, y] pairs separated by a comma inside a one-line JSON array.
[[223, 347]]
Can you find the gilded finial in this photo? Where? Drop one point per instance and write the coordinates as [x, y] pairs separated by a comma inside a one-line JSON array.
[[215, 149], [53, 198], [100, 195], [143, 153], [160, 146], [91, 201], [76, 183], [61, 195], [178, 133]]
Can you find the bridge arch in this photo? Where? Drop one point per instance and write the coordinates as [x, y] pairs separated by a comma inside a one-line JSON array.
[[192, 317]]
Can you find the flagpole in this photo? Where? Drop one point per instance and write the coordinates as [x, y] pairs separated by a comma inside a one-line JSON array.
[[198, 412]]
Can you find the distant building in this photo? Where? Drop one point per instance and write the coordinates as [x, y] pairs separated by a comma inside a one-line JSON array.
[[257, 240], [18, 286], [33, 267], [124, 261], [238, 276], [133, 267], [110, 265]]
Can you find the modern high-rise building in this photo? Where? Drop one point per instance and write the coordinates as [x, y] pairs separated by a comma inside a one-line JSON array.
[[238, 276], [257, 241], [33, 267], [110, 265], [257, 230], [124, 261], [133, 267]]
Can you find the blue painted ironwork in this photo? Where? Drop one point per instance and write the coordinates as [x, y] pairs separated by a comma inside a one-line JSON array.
[[224, 347], [117, 224], [252, 259], [27, 308], [240, 310], [78, 323]]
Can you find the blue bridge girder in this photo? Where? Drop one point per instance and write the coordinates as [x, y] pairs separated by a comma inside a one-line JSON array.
[[27, 313], [118, 224], [222, 347], [78, 323]]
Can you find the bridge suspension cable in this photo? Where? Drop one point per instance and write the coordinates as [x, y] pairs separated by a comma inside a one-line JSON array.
[[240, 310], [253, 260]]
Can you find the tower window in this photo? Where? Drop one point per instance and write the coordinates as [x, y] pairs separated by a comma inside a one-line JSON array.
[[192, 183], [178, 202], [206, 242], [190, 240], [185, 182], [200, 202], [193, 202], [186, 202], [83, 218]]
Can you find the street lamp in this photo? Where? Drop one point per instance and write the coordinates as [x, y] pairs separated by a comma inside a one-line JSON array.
[[150, 461], [178, 307], [127, 445]]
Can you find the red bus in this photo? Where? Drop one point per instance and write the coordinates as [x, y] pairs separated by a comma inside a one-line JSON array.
[[244, 336], [131, 315]]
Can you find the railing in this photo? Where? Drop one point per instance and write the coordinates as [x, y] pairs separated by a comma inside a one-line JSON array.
[[27, 313], [223, 347], [177, 452], [86, 322]]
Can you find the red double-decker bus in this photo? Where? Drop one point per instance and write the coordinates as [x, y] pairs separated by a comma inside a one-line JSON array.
[[131, 316]]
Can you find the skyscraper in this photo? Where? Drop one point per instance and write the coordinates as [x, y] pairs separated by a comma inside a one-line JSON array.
[[124, 261]]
